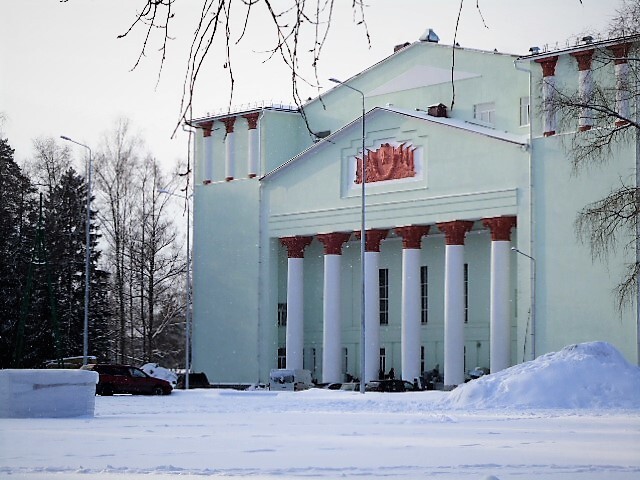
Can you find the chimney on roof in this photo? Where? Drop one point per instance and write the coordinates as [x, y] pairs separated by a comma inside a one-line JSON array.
[[400, 47], [437, 110], [430, 36]]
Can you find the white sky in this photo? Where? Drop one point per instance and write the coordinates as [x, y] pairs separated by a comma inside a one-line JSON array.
[[64, 72]]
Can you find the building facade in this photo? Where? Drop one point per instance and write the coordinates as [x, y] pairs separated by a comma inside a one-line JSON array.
[[470, 254]]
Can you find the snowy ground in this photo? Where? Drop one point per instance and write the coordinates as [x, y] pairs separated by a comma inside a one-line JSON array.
[[580, 420]]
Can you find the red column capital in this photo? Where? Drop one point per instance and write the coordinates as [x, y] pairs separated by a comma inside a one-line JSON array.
[[412, 235], [455, 231], [206, 128], [373, 239], [500, 228], [548, 65], [295, 245], [584, 59], [333, 242], [229, 123], [620, 52], [252, 120]]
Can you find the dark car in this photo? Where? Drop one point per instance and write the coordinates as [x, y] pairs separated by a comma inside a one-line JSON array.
[[389, 386], [127, 379]]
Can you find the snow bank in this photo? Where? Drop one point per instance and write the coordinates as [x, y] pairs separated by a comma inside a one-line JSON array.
[[48, 393], [587, 375], [156, 371]]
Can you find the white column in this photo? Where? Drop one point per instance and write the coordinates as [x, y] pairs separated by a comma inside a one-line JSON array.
[[372, 315], [295, 317], [454, 315], [454, 300], [410, 353], [500, 318], [622, 91], [410, 314], [295, 301], [229, 143], [585, 81], [252, 158], [208, 160], [332, 338], [229, 161], [500, 302], [548, 93]]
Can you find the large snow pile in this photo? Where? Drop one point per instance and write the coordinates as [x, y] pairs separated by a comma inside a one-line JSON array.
[[587, 375], [46, 393], [156, 371]]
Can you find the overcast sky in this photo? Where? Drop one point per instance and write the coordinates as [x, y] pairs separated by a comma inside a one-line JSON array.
[[64, 72]]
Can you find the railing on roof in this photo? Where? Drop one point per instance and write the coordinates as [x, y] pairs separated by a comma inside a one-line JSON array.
[[243, 107]]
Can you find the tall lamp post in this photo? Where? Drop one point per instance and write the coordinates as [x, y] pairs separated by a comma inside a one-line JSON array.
[[363, 242], [87, 258], [187, 313], [533, 300]]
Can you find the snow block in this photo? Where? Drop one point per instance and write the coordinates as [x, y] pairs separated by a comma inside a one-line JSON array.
[[47, 393]]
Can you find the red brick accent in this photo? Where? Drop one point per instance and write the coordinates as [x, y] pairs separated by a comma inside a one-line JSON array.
[[206, 128], [621, 52], [584, 59], [228, 123], [455, 231], [500, 227], [373, 239], [252, 120], [333, 242], [295, 245], [548, 66], [412, 235]]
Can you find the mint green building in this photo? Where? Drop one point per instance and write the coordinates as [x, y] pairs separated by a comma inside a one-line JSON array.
[[471, 257]]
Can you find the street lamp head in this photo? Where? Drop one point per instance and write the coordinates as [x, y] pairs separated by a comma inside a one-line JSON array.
[[64, 137], [334, 80], [514, 249]]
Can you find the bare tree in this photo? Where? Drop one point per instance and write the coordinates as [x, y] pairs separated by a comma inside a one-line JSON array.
[[608, 122], [300, 31], [115, 166]]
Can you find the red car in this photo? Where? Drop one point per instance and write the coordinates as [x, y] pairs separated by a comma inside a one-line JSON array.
[[127, 379]]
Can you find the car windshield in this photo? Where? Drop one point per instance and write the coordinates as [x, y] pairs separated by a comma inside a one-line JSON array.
[[137, 373]]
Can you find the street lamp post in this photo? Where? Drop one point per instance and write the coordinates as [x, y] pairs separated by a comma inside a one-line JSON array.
[[187, 313], [87, 258], [533, 301], [363, 242]]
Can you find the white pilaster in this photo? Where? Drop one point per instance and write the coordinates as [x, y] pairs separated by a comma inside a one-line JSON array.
[[295, 322], [332, 340], [208, 159], [410, 314], [454, 315], [585, 86], [622, 90], [548, 92], [500, 320]]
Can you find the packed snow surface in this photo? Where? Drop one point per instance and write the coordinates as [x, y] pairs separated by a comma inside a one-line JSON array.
[[570, 415]]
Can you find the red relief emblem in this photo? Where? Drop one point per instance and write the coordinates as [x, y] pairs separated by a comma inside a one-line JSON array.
[[387, 163]]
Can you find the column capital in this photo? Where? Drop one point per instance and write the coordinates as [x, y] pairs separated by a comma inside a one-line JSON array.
[[500, 227], [548, 65], [206, 128], [412, 235], [333, 242], [373, 239], [455, 231], [584, 59], [295, 245], [229, 123], [621, 52], [252, 120]]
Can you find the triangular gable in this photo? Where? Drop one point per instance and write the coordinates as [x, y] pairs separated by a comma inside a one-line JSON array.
[[465, 126]]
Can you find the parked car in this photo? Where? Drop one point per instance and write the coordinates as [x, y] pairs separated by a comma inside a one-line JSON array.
[[350, 387], [127, 379], [390, 386]]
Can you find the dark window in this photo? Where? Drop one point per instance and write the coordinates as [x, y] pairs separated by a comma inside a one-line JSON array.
[[282, 357], [424, 294], [282, 314], [466, 293], [383, 282]]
